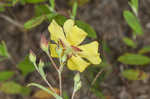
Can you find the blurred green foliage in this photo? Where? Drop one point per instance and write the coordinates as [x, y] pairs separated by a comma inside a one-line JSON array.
[[129, 42], [5, 75], [26, 66], [3, 51], [133, 22], [144, 50], [134, 59], [132, 74], [14, 88]]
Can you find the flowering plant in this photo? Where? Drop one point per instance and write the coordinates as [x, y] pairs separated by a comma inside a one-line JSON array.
[[69, 39]]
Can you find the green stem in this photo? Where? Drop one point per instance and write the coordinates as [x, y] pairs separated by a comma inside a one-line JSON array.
[[73, 94], [53, 63], [50, 86], [60, 83]]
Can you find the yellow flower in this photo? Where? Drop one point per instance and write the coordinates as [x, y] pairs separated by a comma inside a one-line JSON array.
[[70, 37]]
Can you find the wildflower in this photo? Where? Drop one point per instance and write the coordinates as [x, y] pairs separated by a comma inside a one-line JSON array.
[[69, 39], [44, 43]]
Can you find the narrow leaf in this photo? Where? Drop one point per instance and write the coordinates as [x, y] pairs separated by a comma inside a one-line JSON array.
[[34, 22], [3, 50], [41, 10], [145, 49], [134, 59], [74, 9], [41, 65], [131, 74], [134, 5], [129, 42], [133, 22], [52, 3]]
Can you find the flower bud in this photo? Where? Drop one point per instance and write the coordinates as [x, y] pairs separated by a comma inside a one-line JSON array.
[[44, 43], [32, 56]]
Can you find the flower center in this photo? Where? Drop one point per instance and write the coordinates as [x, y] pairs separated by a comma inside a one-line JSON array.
[[68, 50]]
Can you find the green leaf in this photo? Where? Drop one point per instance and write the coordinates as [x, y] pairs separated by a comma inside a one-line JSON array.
[[2, 9], [133, 22], [131, 74], [3, 50], [129, 42], [145, 49], [51, 16], [26, 66], [45, 89], [134, 5], [41, 65], [74, 10], [5, 75], [87, 28], [41, 10], [60, 19], [134, 59], [14, 88], [52, 3], [35, 1], [34, 22]]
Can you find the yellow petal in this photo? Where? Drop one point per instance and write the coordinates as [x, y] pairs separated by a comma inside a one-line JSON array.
[[56, 31], [53, 50], [68, 26], [75, 36], [90, 52], [77, 63]]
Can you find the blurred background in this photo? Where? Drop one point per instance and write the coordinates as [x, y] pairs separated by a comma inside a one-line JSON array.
[[124, 40]]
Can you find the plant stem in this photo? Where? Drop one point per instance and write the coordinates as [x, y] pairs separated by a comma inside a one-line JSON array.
[[14, 22], [53, 63], [73, 94], [60, 83], [50, 86], [98, 74]]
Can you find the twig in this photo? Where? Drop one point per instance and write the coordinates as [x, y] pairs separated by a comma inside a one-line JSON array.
[[53, 63], [73, 94], [50, 85], [44, 78], [98, 74], [59, 73], [60, 83], [14, 22]]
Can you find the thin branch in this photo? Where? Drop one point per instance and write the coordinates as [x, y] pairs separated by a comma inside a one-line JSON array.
[[53, 63], [14, 22], [60, 83], [73, 94], [50, 86], [98, 74]]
